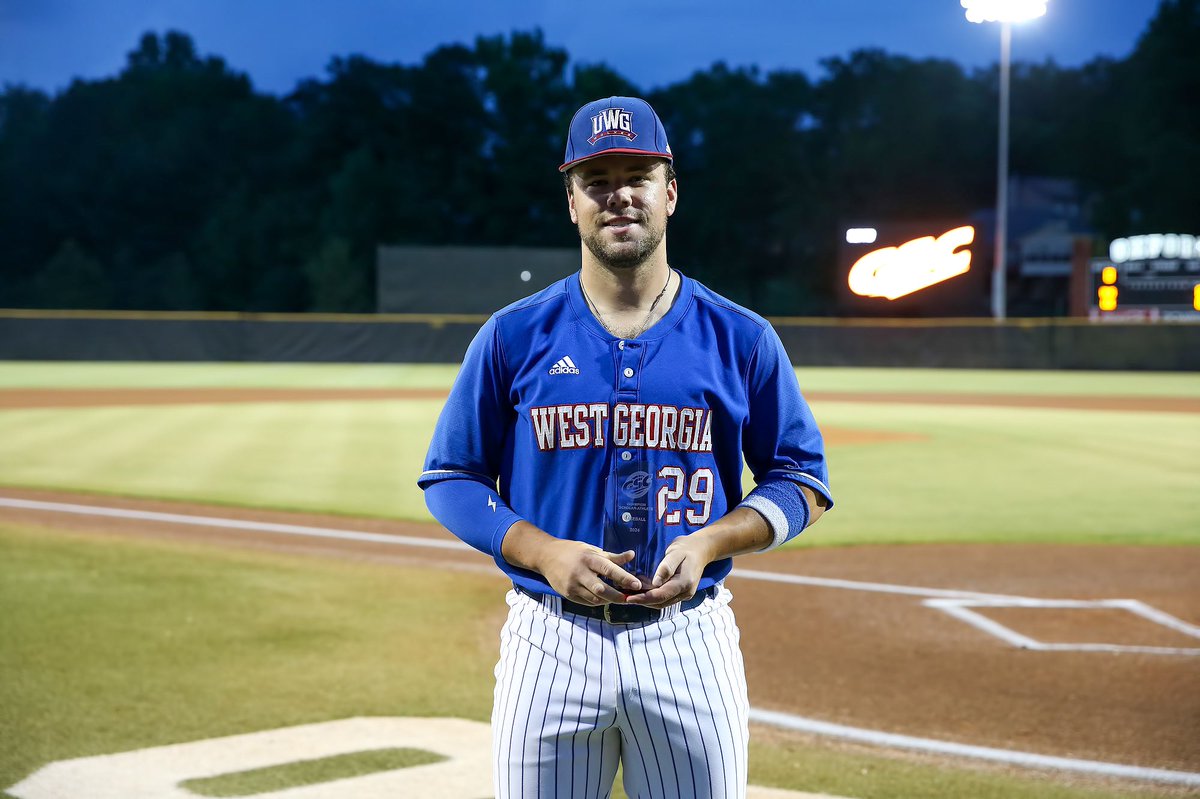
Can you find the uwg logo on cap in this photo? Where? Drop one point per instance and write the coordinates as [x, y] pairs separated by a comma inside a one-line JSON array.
[[612, 122]]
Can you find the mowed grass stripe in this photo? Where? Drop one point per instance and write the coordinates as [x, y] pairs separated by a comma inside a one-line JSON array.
[[246, 454], [1008, 474], [344, 457], [26, 433], [49, 447]]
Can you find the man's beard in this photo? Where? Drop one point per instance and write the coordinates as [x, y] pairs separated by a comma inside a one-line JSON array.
[[622, 257]]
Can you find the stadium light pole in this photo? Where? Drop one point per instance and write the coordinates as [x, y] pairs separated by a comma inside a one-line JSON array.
[[1006, 12]]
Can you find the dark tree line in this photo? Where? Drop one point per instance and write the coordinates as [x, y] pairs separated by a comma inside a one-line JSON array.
[[175, 185]]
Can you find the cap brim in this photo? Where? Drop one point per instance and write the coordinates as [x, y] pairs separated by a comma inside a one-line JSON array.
[[615, 151]]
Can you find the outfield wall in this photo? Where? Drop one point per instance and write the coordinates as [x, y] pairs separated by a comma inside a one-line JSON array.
[[442, 338]]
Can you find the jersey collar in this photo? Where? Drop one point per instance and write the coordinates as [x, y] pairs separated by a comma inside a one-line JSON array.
[[683, 300]]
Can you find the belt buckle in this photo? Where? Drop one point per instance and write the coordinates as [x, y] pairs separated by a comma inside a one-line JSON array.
[[608, 613]]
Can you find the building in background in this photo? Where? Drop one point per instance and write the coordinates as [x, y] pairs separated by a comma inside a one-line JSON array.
[[1047, 225]]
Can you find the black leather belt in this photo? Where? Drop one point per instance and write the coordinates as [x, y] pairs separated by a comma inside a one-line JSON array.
[[621, 614]]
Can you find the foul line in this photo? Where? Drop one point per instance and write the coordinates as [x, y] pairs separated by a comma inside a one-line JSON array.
[[788, 721], [231, 524], [384, 538], [855, 585], [773, 718]]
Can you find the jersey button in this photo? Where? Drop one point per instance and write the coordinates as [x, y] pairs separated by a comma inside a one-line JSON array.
[[626, 516], [628, 372], [620, 345], [626, 456]]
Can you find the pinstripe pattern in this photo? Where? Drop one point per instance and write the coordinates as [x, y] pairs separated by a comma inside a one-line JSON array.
[[575, 695]]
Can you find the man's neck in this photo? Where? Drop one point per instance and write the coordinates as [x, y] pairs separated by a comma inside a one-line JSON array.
[[628, 302], [615, 289]]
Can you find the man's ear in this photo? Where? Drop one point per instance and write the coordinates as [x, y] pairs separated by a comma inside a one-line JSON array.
[[672, 196], [571, 200]]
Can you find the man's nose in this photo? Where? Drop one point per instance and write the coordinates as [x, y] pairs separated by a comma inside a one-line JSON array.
[[620, 197]]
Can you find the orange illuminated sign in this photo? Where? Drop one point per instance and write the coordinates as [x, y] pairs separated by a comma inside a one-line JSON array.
[[918, 264]]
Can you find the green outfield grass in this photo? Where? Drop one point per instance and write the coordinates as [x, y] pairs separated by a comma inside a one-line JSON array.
[[112, 645], [1014, 474], [975, 473], [355, 458]]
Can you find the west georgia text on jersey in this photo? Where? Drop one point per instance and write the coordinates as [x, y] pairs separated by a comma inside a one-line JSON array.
[[635, 425]]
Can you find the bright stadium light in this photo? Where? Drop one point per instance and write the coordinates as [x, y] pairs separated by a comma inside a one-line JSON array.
[[1006, 12]]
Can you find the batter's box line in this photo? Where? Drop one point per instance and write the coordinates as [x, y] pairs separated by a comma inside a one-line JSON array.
[[960, 608]]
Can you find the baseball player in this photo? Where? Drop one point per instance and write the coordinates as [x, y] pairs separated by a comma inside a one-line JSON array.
[[593, 445]]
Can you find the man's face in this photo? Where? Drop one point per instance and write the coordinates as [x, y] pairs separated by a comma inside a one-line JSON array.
[[621, 204]]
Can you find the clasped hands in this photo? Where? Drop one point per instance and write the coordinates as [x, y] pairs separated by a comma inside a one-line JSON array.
[[589, 575]]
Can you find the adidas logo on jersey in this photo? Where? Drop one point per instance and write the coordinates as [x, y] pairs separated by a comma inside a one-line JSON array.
[[565, 366]]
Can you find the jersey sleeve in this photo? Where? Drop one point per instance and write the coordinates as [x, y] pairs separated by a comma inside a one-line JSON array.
[[782, 444], [469, 438], [473, 512]]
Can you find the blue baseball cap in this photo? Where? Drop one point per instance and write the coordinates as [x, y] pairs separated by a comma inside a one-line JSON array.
[[614, 125]]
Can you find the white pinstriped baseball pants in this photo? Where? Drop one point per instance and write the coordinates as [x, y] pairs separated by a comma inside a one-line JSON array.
[[576, 695]]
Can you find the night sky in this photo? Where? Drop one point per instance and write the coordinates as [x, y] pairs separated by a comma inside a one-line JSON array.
[[46, 43]]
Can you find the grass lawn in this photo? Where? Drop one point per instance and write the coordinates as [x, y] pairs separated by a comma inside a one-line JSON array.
[[973, 474], [1013, 474], [113, 645], [117, 644], [356, 458]]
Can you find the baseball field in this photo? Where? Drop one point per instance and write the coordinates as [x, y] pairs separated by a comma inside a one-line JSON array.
[[1004, 603]]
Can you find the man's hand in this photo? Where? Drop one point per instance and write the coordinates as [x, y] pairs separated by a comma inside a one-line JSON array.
[[580, 572], [586, 574], [740, 531], [679, 573]]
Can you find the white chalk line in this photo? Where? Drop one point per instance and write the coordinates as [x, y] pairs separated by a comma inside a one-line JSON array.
[[855, 585], [230, 524], [960, 609], [773, 718], [1009, 756]]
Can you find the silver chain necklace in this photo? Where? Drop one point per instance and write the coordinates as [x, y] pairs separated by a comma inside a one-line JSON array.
[[645, 322]]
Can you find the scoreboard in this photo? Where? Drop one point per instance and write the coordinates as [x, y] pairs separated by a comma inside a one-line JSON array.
[[1147, 277]]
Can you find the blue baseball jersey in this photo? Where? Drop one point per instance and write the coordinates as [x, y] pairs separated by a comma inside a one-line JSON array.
[[621, 443]]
